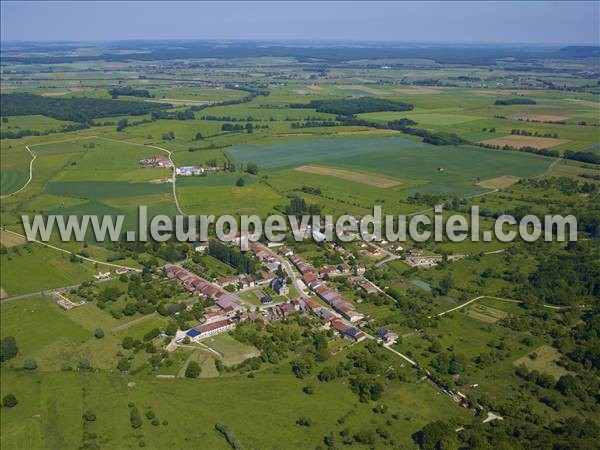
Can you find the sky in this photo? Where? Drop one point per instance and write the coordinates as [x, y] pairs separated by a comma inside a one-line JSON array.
[[551, 22]]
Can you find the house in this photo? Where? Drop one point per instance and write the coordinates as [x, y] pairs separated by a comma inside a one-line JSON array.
[[347, 331], [373, 251], [210, 329], [343, 269], [309, 278], [228, 281], [286, 309], [285, 251], [102, 275], [121, 271], [210, 291], [228, 303], [368, 287], [328, 270], [279, 286], [360, 269], [201, 246], [312, 305], [387, 336], [415, 252]]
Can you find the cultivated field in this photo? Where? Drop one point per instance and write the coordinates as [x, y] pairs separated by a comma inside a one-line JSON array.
[[525, 141], [357, 177]]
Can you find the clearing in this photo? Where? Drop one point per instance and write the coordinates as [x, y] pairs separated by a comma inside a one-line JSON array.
[[371, 180], [10, 240], [517, 141], [543, 359]]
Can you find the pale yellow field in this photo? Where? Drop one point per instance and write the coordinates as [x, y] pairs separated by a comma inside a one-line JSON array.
[[358, 177]]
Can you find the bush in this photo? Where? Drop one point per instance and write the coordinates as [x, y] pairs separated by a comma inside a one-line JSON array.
[[99, 333], [8, 348], [30, 364], [193, 370], [9, 401], [89, 416]]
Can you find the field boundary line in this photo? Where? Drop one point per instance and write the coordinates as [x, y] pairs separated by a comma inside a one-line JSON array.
[[95, 261]]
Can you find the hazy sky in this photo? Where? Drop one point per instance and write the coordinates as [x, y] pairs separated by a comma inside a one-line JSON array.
[[527, 22]]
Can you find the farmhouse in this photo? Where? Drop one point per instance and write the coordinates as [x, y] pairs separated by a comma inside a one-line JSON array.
[[156, 161], [121, 270], [102, 275]]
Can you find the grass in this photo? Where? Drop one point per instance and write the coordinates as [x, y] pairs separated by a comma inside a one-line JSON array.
[[543, 359], [234, 352], [52, 269], [62, 397]]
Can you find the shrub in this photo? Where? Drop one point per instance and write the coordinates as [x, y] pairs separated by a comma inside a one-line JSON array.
[[9, 401], [99, 333], [30, 364]]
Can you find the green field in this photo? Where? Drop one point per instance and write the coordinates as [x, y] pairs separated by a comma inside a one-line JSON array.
[[399, 158]]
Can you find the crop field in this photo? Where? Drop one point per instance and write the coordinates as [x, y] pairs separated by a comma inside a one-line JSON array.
[[525, 141], [448, 170], [357, 177]]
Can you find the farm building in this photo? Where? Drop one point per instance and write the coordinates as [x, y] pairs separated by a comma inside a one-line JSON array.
[[156, 161], [188, 171], [210, 329]]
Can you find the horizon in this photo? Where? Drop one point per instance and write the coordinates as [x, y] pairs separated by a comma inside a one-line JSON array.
[[457, 22]]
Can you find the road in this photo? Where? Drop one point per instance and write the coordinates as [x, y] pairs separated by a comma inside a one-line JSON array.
[[33, 158], [558, 308]]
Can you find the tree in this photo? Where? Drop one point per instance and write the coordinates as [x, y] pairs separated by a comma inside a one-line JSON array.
[[192, 370], [99, 333], [252, 168], [436, 435], [9, 401], [124, 365], [240, 182], [8, 348], [30, 364]]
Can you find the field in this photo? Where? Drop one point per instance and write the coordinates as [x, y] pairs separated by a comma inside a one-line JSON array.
[[499, 182], [525, 141], [398, 158], [357, 177]]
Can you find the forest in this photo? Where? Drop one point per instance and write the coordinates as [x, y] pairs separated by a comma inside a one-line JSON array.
[[75, 109]]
